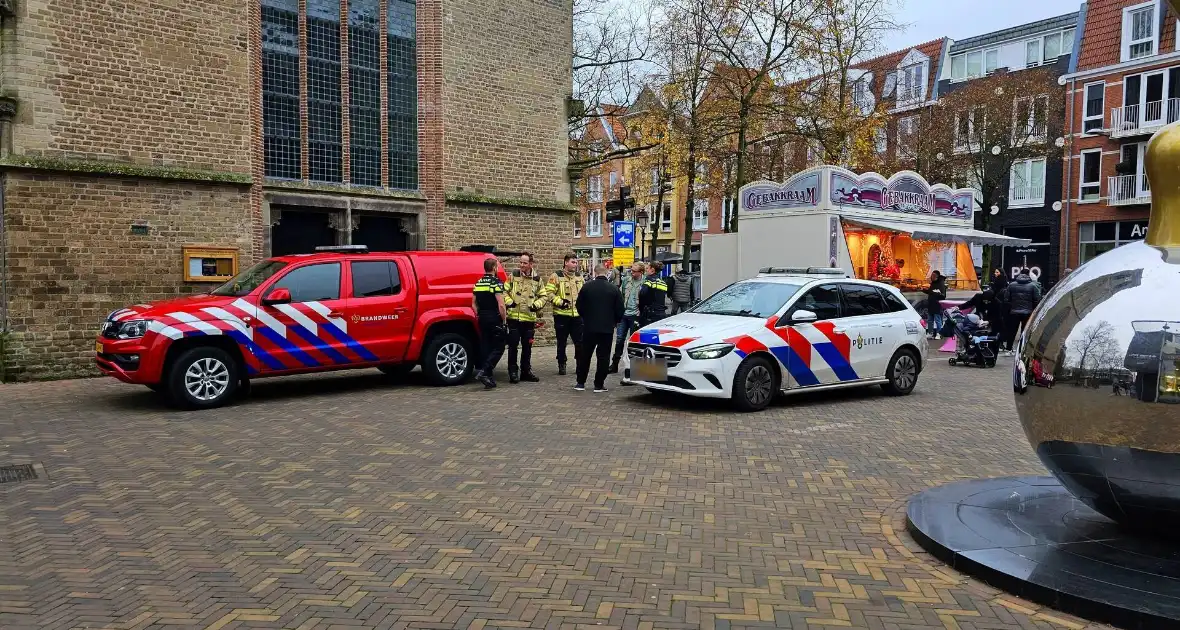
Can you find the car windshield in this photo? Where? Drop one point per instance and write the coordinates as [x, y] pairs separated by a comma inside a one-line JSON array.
[[748, 299], [244, 283]]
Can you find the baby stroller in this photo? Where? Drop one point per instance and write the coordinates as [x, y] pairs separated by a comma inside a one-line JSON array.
[[974, 343]]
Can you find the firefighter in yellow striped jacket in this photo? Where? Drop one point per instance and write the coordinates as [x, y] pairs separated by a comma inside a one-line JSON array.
[[562, 290], [524, 295]]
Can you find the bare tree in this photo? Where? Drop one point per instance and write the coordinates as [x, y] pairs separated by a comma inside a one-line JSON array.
[[611, 48], [1096, 347]]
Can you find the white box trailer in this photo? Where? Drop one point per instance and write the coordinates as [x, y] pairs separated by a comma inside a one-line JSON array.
[[829, 216]]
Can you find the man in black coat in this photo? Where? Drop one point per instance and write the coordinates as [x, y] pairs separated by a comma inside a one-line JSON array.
[[1023, 297], [600, 303]]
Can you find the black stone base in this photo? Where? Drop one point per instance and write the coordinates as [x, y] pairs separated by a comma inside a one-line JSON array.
[[1030, 537]]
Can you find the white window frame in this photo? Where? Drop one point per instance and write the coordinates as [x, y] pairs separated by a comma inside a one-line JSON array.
[[655, 182], [666, 218], [1037, 45], [614, 180], [594, 189], [1082, 183], [1127, 42], [594, 227], [971, 143], [1101, 115], [1027, 166], [903, 150], [1067, 37], [700, 215], [983, 54], [1023, 130], [1117, 242], [578, 227], [881, 140], [904, 96]]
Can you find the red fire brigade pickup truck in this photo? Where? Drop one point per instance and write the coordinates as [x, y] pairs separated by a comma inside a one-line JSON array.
[[339, 308]]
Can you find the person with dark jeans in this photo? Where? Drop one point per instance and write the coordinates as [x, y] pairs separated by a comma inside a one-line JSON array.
[[563, 288], [600, 304], [630, 290], [935, 294], [488, 303], [1023, 297]]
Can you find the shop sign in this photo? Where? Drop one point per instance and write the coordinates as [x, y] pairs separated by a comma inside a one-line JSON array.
[[801, 191], [1132, 230], [905, 192]]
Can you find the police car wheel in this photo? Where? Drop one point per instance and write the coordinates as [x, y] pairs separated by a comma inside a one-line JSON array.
[[755, 385], [203, 378], [902, 374], [449, 359]]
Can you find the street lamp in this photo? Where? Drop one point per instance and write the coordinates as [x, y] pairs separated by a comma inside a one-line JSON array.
[[641, 220]]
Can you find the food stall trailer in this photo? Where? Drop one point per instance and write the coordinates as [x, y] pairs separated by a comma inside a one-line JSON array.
[[865, 224]]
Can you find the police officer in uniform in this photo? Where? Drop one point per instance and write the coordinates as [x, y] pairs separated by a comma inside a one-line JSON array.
[[653, 296], [563, 289], [653, 302], [523, 296], [488, 302]]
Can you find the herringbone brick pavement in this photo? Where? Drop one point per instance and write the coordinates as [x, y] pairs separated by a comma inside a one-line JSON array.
[[350, 501]]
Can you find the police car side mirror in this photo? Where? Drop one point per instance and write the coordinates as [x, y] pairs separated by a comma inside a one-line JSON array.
[[278, 296], [803, 316]]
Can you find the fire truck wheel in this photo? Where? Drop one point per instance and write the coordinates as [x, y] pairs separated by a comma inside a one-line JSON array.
[[449, 359], [203, 378]]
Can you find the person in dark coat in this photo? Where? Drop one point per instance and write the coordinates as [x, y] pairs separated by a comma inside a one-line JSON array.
[[935, 294], [600, 304], [1023, 297], [987, 306]]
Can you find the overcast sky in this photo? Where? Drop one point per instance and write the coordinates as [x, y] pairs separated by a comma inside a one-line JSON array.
[[960, 19]]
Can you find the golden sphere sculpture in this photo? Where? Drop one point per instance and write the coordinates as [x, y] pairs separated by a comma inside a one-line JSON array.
[[1097, 370]]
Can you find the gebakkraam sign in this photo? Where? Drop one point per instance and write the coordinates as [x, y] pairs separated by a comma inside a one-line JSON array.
[[801, 191], [905, 192]]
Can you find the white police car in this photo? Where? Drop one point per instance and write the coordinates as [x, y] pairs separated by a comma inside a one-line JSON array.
[[788, 330]]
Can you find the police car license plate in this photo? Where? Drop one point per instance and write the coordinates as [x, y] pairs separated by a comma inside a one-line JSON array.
[[651, 370], [98, 347]]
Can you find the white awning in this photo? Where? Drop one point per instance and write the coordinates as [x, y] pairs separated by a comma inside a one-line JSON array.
[[941, 233]]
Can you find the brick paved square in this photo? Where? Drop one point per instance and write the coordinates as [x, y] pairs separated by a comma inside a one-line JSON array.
[[351, 500]]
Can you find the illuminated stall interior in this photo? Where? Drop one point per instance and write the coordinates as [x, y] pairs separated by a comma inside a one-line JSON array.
[[906, 262], [1169, 383]]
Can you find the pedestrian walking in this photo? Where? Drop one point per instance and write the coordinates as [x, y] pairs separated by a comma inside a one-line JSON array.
[[563, 289], [629, 288], [524, 298], [680, 289], [600, 305], [935, 294], [1023, 297], [491, 313]]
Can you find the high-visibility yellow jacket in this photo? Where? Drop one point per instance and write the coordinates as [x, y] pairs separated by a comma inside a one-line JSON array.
[[524, 297], [562, 289]]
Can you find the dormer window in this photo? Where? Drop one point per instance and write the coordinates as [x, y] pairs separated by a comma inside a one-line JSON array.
[[1140, 32], [912, 75], [911, 84]]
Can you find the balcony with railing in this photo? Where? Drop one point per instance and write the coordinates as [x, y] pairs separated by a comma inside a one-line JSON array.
[[1025, 195], [1143, 118], [1127, 190]]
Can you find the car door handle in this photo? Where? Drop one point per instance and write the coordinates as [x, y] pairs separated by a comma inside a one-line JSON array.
[[839, 331], [400, 309], [886, 324], [335, 315]]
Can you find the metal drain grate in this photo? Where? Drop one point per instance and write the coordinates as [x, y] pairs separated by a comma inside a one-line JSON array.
[[18, 472]]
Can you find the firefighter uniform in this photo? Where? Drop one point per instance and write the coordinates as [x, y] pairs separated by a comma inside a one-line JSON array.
[[524, 298], [563, 289], [492, 335]]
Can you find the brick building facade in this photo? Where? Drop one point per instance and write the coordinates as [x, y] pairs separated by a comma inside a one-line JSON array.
[[1123, 87], [129, 130]]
